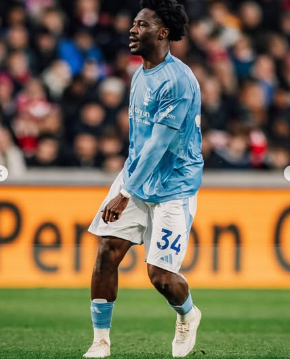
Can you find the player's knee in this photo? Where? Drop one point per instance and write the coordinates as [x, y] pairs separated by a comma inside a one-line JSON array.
[[108, 255], [159, 278]]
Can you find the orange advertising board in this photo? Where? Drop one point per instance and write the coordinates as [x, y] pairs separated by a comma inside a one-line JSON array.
[[240, 238]]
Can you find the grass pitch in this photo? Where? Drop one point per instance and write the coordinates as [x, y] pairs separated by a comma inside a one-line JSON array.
[[56, 324]]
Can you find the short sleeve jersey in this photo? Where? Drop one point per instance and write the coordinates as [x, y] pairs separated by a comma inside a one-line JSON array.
[[167, 94]]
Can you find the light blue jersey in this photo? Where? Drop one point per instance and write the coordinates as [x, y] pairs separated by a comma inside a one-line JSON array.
[[169, 95]]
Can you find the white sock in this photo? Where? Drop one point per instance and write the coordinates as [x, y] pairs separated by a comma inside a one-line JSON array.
[[187, 317], [100, 300], [102, 334]]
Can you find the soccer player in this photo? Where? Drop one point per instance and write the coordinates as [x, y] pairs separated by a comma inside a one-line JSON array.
[[153, 200]]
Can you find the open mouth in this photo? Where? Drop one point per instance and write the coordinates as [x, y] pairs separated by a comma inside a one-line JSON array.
[[133, 42]]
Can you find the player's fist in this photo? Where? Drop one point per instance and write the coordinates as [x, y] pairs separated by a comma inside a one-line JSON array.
[[114, 209]]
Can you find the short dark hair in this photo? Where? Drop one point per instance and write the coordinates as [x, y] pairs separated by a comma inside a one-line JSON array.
[[172, 14]]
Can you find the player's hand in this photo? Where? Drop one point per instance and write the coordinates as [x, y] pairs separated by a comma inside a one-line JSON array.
[[114, 209]]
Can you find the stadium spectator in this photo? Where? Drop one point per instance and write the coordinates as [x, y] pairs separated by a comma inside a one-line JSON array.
[[56, 79], [122, 66], [86, 151], [198, 33], [113, 163], [75, 52], [111, 96], [117, 37], [251, 16], [278, 158], [180, 49], [235, 155], [7, 103], [88, 16], [123, 128], [111, 145], [264, 73], [214, 108], [285, 72], [284, 24], [91, 120], [32, 106], [10, 155], [52, 123], [3, 54], [91, 74], [253, 103], [18, 68], [224, 22], [16, 15], [224, 72], [45, 49], [52, 20], [48, 152], [196, 9], [35, 7], [243, 58]]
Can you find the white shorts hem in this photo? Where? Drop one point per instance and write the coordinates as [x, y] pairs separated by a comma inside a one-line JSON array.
[[162, 266], [116, 235]]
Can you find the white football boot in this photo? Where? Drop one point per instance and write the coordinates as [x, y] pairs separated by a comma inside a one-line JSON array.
[[99, 349], [185, 333]]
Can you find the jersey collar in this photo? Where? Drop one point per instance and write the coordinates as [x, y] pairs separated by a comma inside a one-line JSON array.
[[158, 67]]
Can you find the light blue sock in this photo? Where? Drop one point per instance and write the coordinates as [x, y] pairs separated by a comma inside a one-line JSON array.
[[185, 307], [102, 314]]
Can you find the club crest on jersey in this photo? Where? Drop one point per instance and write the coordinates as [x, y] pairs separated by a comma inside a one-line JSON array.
[[147, 97]]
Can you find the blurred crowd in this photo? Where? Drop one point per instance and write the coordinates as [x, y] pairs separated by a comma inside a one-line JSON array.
[[65, 72]]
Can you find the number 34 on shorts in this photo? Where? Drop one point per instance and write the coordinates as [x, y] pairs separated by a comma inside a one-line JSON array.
[[168, 240]]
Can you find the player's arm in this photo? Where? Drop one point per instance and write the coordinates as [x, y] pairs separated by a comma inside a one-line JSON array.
[[152, 154]]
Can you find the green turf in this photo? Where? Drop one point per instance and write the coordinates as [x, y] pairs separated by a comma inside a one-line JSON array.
[[56, 324]]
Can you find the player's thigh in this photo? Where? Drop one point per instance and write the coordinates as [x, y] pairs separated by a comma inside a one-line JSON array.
[[111, 251], [171, 226]]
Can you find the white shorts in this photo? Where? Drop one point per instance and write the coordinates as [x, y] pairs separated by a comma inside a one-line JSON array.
[[163, 227]]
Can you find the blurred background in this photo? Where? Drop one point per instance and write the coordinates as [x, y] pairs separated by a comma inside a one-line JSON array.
[[65, 71]]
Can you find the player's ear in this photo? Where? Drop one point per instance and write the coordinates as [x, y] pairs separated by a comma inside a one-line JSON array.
[[163, 33]]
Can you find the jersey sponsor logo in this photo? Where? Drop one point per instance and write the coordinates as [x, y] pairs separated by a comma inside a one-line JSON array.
[[147, 96], [138, 111], [142, 121], [167, 114]]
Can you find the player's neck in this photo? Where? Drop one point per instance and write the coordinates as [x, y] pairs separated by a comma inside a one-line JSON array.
[[155, 58]]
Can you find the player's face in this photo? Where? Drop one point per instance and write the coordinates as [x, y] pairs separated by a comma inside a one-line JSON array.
[[145, 33]]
